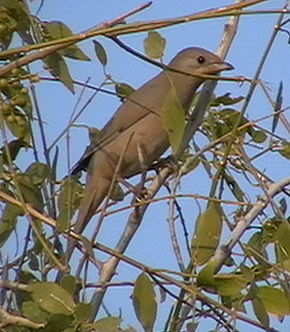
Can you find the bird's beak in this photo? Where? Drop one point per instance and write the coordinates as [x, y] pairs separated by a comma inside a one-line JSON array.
[[225, 66]]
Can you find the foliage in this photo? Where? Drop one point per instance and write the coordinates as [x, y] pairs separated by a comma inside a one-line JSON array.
[[253, 278]]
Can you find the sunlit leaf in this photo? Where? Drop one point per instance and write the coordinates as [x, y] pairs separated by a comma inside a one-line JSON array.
[[228, 284], [285, 151], [144, 302], [18, 125], [38, 172], [274, 300], [173, 119], [123, 90], [31, 193], [58, 30], [100, 53], [154, 45], [33, 311], [108, 324], [8, 221], [59, 69], [83, 312], [69, 283], [68, 201], [14, 148], [206, 276], [52, 298], [260, 312], [207, 234], [226, 99], [282, 243]]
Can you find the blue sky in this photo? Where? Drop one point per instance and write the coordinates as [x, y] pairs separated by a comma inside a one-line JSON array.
[[152, 244]]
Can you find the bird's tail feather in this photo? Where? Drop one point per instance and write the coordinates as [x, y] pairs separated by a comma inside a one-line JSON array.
[[94, 195]]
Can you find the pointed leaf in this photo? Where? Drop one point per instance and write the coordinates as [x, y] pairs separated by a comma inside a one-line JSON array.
[[83, 312], [226, 99], [154, 45], [173, 119], [282, 243], [69, 283], [277, 107], [14, 148], [108, 324], [59, 69], [228, 284], [8, 221], [260, 312], [58, 30], [274, 300], [207, 234], [38, 172], [30, 192], [144, 302], [285, 151], [206, 276], [100, 53], [18, 125], [123, 90], [33, 311], [52, 298], [68, 201]]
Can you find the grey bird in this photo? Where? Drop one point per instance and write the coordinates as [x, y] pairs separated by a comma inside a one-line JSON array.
[[137, 124]]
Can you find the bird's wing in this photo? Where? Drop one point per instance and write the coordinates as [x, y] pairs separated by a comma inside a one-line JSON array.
[[131, 111]]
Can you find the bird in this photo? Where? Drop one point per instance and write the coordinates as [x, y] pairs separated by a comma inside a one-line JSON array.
[[137, 126]]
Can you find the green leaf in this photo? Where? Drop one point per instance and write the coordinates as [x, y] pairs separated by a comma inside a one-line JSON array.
[[154, 45], [20, 16], [52, 298], [117, 193], [228, 284], [234, 300], [8, 221], [59, 69], [189, 165], [285, 151], [207, 234], [100, 53], [30, 192], [69, 283], [173, 119], [277, 107], [14, 148], [258, 136], [144, 302], [274, 300], [58, 30], [226, 99], [123, 90], [32, 311], [18, 125], [68, 201], [282, 243], [206, 276], [260, 312], [83, 312], [108, 324], [38, 172], [234, 187]]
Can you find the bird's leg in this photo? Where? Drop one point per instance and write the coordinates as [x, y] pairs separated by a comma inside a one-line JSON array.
[[142, 156]]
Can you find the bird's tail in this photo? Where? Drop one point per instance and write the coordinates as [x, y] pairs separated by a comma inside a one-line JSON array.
[[94, 195]]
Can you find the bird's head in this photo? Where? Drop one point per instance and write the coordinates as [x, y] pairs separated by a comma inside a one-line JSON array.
[[195, 60]]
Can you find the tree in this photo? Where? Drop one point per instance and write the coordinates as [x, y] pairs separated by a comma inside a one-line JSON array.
[[223, 260]]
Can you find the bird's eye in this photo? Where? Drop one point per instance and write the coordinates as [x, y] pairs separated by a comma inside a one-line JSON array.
[[200, 59]]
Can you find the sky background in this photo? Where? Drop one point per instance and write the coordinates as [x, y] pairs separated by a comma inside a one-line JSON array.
[[152, 244]]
